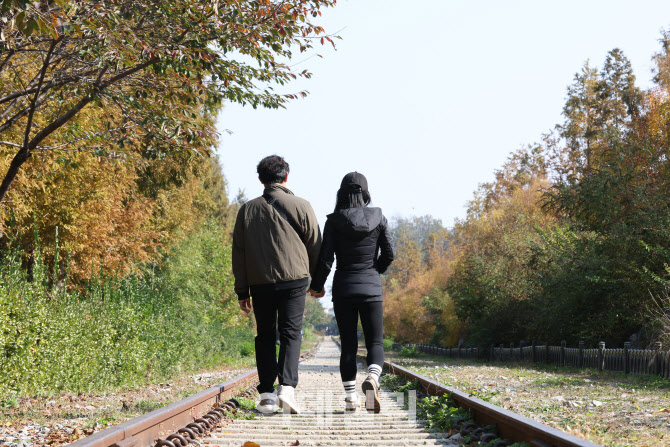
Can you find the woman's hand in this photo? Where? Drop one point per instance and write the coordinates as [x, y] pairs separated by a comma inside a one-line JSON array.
[[316, 294]]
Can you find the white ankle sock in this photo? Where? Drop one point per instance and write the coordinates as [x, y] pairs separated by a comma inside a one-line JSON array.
[[350, 388], [375, 371]]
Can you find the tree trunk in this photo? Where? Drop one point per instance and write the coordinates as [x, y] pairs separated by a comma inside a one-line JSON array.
[[20, 158]]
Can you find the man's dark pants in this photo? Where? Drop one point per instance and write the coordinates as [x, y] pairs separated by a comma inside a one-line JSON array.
[[281, 309]]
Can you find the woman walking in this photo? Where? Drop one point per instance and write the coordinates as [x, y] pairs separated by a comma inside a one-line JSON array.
[[359, 237]]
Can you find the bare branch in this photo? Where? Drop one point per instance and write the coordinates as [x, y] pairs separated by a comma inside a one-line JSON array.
[[21, 113], [33, 104], [10, 53], [9, 143], [47, 85]]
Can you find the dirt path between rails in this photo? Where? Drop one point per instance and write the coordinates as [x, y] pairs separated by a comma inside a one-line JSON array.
[[323, 421], [607, 408]]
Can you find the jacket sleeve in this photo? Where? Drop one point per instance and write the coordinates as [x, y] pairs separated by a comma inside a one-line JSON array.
[[312, 239], [386, 246], [239, 257], [326, 258]]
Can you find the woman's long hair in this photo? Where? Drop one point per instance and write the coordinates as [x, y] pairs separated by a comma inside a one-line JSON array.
[[346, 198]]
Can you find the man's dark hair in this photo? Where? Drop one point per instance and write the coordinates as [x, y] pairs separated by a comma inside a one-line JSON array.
[[272, 169]]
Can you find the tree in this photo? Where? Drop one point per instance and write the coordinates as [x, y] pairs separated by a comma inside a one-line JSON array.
[[408, 259], [620, 98], [598, 105], [519, 171], [662, 61], [416, 228], [436, 247], [315, 314], [152, 65]]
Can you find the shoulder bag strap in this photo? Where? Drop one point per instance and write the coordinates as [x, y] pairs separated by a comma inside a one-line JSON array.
[[282, 212]]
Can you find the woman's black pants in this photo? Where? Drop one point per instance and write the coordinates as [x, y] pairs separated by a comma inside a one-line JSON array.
[[372, 320]]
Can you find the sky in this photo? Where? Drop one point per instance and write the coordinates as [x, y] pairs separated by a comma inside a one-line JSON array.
[[428, 98]]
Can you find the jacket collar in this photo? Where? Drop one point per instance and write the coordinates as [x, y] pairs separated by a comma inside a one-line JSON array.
[[274, 188]]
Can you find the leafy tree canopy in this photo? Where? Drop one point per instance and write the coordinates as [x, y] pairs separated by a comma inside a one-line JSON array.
[[154, 66]]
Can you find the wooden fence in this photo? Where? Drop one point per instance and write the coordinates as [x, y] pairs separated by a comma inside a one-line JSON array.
[[461, 352], [653, 361]]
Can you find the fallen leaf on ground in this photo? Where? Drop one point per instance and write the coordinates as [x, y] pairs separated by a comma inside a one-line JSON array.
[[250, 444], [295, 443]]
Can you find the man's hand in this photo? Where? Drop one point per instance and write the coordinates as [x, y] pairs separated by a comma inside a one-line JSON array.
[[245, 305], [316, 294]]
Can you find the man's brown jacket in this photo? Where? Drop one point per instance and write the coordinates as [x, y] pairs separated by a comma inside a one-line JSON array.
[[267, 249]]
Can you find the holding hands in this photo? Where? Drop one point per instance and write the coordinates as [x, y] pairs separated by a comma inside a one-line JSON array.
[[316, 294], [245, 305]]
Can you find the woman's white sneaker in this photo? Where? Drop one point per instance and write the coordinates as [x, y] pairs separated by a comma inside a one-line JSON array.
[[352, 403], [371, 389], [287, 400]]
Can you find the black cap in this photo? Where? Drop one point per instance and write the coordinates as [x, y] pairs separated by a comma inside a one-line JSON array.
[[354, 182]]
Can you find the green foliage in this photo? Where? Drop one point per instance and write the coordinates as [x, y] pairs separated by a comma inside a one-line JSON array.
[[119, 332], [408, 351], [441, 412], [246, 404], [315, 314], [139, 59], [417, 229], [571, 240], [247, 348], [9, 402], [387, 344], [442, 308]]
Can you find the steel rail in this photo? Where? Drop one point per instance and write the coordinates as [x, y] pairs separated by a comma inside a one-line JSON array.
[[510, 425], [146, 430]]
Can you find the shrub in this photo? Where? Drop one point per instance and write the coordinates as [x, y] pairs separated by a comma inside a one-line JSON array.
[[408, 351], [247, 348], [388, 344], [116, 332]]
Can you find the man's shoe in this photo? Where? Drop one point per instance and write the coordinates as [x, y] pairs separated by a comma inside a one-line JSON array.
[[352, 403], [371, 389], [268, 403], [287, 400]]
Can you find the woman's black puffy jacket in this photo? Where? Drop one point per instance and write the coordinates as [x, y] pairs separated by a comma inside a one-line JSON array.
[[356, 236]]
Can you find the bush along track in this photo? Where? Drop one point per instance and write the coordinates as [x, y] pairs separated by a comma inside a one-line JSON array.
[[441, 413]]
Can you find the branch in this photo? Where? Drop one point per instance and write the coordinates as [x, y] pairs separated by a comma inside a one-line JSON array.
[[127, 73], [59, 147], [20, 114], [47, 85], [56, 124], [9, 143], [33, 103], [10, 53], [11, 108]]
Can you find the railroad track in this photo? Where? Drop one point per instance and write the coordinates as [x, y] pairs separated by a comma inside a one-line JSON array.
[[202, 419]]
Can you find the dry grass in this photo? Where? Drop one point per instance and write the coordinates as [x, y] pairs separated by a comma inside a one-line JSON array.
[[607, 408]]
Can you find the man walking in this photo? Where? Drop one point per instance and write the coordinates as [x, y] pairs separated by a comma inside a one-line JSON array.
[[276, 243]]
